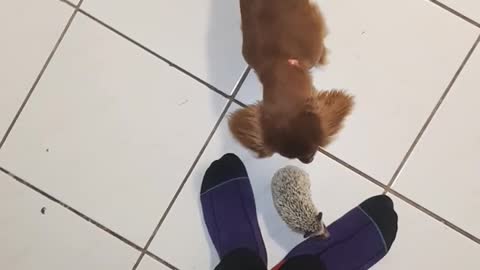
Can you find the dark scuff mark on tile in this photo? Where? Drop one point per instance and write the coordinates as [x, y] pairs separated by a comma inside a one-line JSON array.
[[183, 102]]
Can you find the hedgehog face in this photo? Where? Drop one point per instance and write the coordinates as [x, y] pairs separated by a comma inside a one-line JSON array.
[[318, 228]]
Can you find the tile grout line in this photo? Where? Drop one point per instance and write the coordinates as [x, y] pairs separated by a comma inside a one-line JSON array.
[[456, 13], [192, 167], [40, 74], [69, 3], [71, 209], [434, 216], [165, 263], [352, 168], [239, 103], [432, 115], [153, 53]]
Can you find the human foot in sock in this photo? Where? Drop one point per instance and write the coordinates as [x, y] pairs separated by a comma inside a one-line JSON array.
[[229, 208], [358, 240]]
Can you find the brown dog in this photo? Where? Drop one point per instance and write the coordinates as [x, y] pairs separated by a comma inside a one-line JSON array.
[[282, 41]]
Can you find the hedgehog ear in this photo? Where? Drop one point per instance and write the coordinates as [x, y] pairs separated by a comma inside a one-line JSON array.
[[319, 217]]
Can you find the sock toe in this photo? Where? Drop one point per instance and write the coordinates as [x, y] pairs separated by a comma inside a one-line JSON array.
[[226, 168], [378, 201], [380, 209]]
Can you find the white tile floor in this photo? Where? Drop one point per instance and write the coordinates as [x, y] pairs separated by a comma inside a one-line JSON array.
[[105, 137]]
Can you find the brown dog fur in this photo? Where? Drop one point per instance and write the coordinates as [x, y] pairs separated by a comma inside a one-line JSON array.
[[328, 108], [282, 41]]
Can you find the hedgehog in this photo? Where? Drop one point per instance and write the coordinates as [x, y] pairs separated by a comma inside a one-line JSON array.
[[292, 199]]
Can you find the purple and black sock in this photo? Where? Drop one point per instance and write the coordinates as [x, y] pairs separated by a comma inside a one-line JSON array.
[[229, 210], [358, 240]]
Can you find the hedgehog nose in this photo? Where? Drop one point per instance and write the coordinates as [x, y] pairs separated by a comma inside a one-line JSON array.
[[325, 234]]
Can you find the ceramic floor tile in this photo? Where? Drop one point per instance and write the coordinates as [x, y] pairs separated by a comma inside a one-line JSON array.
[[22, 22], [54, 240], [424, 243], [150, 264], [111, 130], [202, 37], [469, 8], [335, 190], [397, 69], [442, 173]]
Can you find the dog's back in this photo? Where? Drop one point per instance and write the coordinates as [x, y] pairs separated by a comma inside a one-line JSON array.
[[282, 29], [282, 41]]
